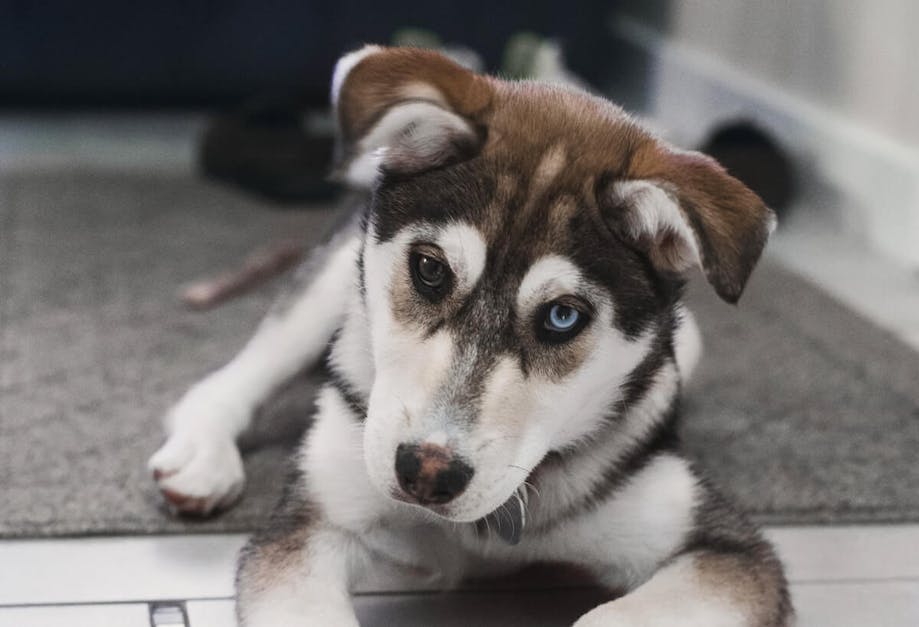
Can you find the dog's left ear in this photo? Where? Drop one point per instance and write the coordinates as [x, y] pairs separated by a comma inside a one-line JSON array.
[[403, 111], [686, 211]]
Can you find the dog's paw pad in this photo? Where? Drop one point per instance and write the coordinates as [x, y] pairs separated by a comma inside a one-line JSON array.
[[211, 477], [159, 474], [175, 500], [183, 505]]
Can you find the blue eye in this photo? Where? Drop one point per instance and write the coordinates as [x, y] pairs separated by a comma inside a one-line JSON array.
[[558, 322], [562, 318]]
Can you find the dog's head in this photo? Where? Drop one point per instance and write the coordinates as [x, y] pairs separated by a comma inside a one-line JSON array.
[[526, 248]]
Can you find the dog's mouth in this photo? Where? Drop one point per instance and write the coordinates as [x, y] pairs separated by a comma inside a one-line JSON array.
[[507, 522]]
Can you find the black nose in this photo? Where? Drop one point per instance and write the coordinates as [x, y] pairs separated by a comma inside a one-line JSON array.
[[430, 474]]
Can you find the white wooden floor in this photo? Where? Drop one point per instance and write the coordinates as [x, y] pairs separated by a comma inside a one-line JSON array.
[[863, 576]]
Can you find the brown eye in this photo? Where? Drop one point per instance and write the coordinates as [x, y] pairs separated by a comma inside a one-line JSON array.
[[431, 271], [431, 276]]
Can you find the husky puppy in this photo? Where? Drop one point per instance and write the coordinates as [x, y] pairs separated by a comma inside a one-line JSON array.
[[506, 349]]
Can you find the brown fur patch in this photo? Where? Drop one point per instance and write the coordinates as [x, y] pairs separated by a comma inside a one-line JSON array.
[[733, 558], [393, 75], [278, 550], [407, 306], [756, 585]]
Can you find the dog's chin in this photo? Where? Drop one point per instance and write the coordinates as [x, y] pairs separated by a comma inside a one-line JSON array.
[[444, 512]]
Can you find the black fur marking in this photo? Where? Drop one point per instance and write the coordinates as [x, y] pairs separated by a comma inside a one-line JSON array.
[[355, 400], [640, 380], [434, 197], [434, 328], [663, 438], [356, 403], [361, 273]]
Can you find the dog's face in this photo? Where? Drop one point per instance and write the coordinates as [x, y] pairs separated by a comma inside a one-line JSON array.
[[523, 259]]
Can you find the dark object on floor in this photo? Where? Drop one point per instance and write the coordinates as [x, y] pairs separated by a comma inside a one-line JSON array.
[[803, 410], [266, 148], [751, 154]]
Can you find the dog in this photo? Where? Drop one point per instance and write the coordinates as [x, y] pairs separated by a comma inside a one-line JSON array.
[[505, 344]]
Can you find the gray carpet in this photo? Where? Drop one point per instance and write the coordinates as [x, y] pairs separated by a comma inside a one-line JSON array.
[[804, 411]]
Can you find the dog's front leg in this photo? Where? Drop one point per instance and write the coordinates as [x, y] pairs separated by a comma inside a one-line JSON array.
[[199, 467], [702, 589], [297, 577]]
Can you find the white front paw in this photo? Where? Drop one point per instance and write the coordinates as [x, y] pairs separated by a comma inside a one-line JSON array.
[[199, 468], [658, 614], [605, 616], [332, 615]]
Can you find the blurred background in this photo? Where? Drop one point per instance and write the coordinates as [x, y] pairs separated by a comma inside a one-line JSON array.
[[832, 84], [148, 148]]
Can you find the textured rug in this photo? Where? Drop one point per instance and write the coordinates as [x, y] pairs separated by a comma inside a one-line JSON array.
[[803, 410]]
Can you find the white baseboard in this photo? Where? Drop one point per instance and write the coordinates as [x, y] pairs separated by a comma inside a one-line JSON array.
[[877, 178]]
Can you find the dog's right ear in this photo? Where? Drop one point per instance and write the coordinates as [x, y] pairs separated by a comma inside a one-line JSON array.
[[686, 211], [402, 111]]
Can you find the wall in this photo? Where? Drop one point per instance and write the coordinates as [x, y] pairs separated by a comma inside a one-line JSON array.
[[860, 58], [836, 80]]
